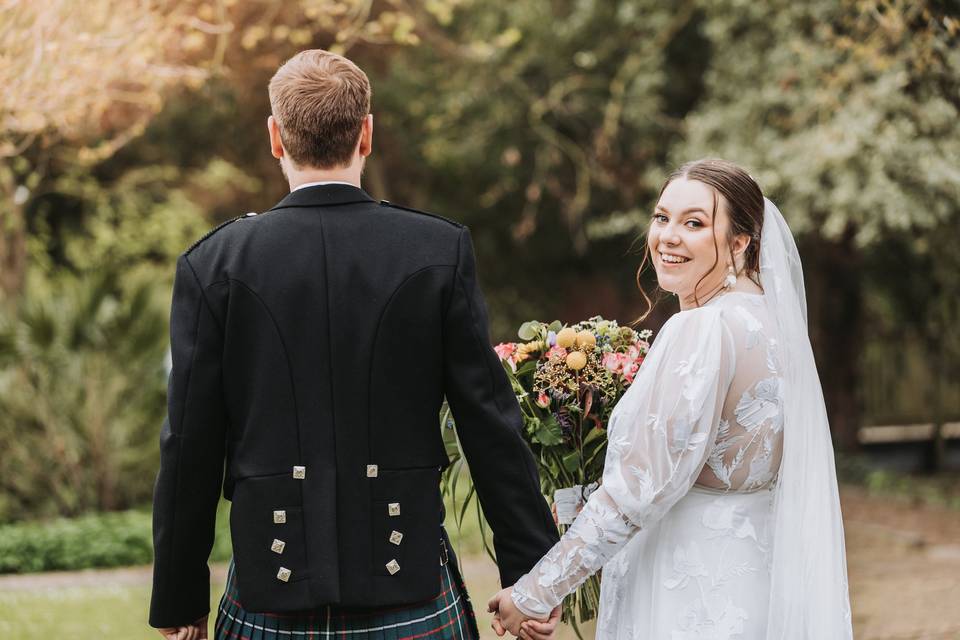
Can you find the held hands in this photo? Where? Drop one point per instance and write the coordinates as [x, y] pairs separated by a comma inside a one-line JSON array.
[[195, 631], [506, 617]]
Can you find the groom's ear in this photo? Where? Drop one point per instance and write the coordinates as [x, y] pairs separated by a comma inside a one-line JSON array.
[[365, 147], [276, 144]]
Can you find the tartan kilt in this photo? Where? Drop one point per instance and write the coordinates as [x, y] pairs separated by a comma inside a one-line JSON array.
[[447, 617]]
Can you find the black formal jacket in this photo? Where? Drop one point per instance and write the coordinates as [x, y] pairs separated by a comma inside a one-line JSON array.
[[313, 346]]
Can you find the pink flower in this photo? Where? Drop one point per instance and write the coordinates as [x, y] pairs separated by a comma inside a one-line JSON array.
[[505, 350], [611, 361], [559, 352], [630, 371], [543, 400]]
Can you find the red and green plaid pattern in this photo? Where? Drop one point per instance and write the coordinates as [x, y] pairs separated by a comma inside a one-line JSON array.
[[448, 617]]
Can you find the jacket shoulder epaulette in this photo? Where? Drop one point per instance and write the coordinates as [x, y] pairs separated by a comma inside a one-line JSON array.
[[387, 203], [217, 228]]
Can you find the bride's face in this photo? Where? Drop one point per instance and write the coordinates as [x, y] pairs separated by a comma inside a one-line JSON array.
[[686, 243]]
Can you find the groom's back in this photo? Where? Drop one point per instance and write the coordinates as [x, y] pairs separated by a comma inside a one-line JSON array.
[[311, 348], [332, 310]]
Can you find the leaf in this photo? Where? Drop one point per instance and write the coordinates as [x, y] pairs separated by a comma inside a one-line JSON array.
[[555, 326], [526, 368], [471, 492], [529, 330], [483, 533], [571, 461], [594, 434], [548, 432]]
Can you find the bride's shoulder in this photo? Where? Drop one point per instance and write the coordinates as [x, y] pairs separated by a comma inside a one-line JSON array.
[[698, 321], [731, 313]]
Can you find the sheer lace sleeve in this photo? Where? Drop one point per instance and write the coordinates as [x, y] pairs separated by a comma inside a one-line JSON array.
[[660, 435]]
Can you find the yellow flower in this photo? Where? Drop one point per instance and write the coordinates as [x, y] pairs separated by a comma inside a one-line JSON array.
[[586, 340], [566, 338], [527, 349], [576, 360]]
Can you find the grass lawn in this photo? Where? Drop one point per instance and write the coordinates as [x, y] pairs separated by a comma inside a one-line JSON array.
[[113, 604], [898, 551], [107, 612]]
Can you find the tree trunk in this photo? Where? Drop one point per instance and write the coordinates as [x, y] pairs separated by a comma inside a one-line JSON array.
[[835, 315], [13, 242], [938, 445]]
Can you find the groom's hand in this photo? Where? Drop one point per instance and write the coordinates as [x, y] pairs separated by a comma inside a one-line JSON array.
[[537, 630], [507, 617], [195, 631]]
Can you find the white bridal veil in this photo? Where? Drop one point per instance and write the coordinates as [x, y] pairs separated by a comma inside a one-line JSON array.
[[809, 594]]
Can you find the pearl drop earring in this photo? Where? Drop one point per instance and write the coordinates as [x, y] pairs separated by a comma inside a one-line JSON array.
[[731, 278]]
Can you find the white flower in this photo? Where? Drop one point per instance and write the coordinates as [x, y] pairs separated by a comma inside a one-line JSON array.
[[728, 519], [645, 491], [694, 386], [687, 563], [762, 406], [617, 443], [752, 326], [549, 573], [760, 467], [710, 618], [773, 356]]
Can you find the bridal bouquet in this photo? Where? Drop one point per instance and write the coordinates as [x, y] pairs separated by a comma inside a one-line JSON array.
[[567, 380]]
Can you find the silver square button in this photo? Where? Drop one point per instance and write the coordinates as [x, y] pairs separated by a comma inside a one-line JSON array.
[[279, 517], [372, 471], [393, 566], [393, 508], [284, 574], [277, 546], [299, 473], [396, 537]]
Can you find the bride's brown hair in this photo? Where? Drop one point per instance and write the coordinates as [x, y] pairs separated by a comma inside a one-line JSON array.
[[744, 202]]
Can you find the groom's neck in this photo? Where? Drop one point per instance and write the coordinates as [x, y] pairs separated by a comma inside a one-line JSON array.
[[349, 174]]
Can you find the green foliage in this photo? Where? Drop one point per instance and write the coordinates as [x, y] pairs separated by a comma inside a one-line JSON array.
[[108, 540], [845, 111], [545, 125], [92, 541], [555, 114], [149, 214], [82, 394]]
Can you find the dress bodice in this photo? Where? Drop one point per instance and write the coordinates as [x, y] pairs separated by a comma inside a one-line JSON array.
[[745, 454]]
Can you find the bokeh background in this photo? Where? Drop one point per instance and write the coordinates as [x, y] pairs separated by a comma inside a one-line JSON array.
[[130, 127]]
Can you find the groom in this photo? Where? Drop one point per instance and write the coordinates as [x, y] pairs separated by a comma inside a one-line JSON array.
[[312, 347]]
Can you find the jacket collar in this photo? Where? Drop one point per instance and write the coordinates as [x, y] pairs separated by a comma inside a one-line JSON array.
[[324, 195]]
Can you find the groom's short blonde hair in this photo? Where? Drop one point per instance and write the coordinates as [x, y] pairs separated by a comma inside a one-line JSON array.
[[319, 100]]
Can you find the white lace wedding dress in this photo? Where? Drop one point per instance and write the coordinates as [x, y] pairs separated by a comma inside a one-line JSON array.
[[683, 518], [719, 511]]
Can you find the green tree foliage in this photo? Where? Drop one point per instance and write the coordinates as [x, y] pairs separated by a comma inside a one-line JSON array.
[[846, 112], [545, 125], [82, 390], [542, 125]]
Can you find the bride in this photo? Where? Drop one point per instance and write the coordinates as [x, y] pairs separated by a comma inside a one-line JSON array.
[[718, 515]]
